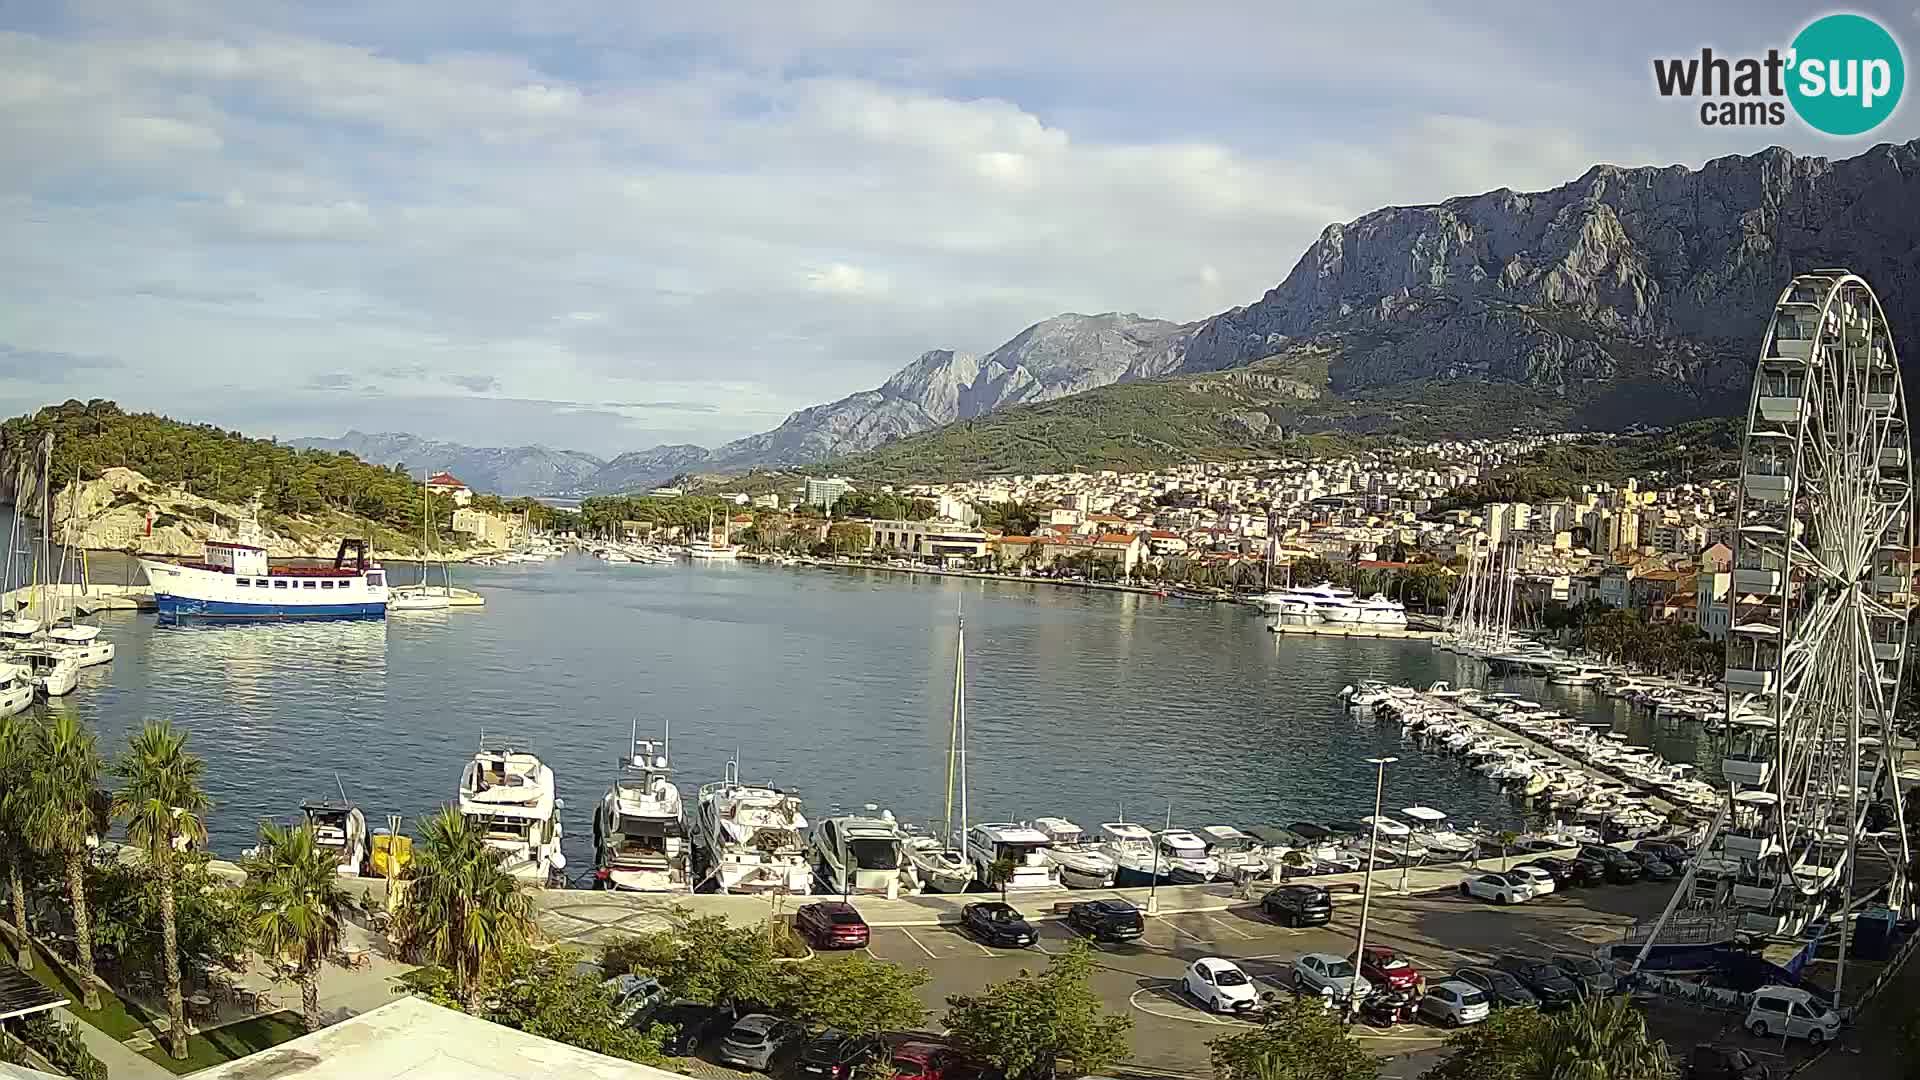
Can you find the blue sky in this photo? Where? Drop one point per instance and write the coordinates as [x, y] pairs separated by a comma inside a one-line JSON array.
[[608, 225]]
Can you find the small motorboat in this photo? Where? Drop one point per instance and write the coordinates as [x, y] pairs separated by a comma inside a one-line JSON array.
[[1082, 863], [341, 829]]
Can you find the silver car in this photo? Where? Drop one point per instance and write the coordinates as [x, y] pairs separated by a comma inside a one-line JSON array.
[[756, 1040], [1320, 972], [1455, 1004]]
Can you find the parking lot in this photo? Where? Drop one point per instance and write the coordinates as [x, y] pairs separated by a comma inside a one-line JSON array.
[[1438, 933]]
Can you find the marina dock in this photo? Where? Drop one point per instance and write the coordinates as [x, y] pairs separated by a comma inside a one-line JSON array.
[[86, 599]]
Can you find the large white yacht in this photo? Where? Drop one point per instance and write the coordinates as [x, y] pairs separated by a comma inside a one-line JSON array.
[[747, 838], [638, 830], [509, 794], [863, 853], [1084, 864], [1306, 606], [1375, 610], [990, 842]]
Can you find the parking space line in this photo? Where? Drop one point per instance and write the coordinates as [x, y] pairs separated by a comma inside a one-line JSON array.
[[984, 951], [917, 941], [1229, 928], [1178, 929]]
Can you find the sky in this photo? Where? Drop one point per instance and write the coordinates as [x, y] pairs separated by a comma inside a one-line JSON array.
[[606, 225]]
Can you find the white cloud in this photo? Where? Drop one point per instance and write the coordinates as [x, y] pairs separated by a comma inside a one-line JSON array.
[[586, 202]]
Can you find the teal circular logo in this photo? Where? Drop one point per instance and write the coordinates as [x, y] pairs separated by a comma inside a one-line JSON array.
[[1846, 74]]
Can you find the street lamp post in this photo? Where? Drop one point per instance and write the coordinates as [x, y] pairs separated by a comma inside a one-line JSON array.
[[1366, 893]]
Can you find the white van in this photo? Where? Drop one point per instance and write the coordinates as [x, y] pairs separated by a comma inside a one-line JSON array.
[[1784, 1010]]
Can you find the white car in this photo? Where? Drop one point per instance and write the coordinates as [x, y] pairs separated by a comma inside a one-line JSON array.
[[1785, 1010], [1512, 887], [1220, 986], [1326, 973], [1541, 881], [1454, 1003]]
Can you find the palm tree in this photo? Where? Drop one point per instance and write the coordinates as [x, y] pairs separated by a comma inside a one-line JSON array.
[[999, 872], [165, 811], [15, 742], [294, 906], [1604, 1038], [62, 821], [461, 910], [1506, 839]]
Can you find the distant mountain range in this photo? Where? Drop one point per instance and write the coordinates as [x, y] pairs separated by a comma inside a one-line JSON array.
[[1627, 295], [519, 470]]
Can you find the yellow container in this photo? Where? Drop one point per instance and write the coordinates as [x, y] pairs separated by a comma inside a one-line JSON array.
[[391, 854]]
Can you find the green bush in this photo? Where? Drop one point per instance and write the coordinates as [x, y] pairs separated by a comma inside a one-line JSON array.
[[61, 1045]]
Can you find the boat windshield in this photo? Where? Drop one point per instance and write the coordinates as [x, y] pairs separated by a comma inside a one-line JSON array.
[[502, 828], [631, 826], [874, 854]]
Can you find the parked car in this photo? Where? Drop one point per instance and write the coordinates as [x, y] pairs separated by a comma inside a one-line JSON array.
[[1107, 920], [1543, 882], [914, 1060], [1710, 1062], [1321, 972], [1619, 869], [834, 1055], [1652, 867], [995, 923], [831, 925], [1560, 870], [1454, 1003], [1507, 888], [1594, 978], [1791, 1012], [1381, 966], [1220, 986], [757, 1041], [1502, 989], [635, 998], [1548, 983], [1298, 905], [1665, 850], [693, 1025]]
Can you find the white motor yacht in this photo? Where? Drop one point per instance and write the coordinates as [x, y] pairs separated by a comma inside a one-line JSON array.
[[864, 854], [16, 689], [1083, 864], [939, 866], [1432, 831], [52, 673], [341, 829], [1238, 855], [1130, 846], [1309, 606], [747, 838], [639, 830], [1026, 847], [1376, 610], [509, 794]]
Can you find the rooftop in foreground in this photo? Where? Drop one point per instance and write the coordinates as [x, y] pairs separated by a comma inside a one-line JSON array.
[[417, 1040]]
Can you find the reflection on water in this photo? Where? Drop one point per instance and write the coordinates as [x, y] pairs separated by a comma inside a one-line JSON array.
[[838, 684]]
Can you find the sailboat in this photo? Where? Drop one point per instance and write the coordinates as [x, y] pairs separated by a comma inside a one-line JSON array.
[[941, 866], [706, 549], [419, 597], [75, 640]]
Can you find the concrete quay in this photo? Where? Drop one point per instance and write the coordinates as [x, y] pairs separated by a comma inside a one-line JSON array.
[[87, 599]]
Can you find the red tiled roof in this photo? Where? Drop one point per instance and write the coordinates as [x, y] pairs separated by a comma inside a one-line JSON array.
[[1162, 534], [1020, 540], [1114, 538], [444, 479]]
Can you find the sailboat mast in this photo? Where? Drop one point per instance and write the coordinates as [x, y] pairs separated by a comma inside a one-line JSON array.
[[960, 725], [953, 737]]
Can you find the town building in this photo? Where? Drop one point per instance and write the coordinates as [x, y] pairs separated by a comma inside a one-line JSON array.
[[933, 541], [824, 493], [445, 483]]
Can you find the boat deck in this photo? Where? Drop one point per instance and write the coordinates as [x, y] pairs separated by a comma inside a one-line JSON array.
[[1405, 633]]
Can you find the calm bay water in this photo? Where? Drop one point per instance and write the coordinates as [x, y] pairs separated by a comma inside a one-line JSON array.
[[834, 683]]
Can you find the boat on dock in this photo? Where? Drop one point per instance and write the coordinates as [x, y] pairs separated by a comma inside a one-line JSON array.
[[939, 861], [340, 829], [747, 838], [16, 689], [1083, 863], [1023, 846], [639, 829], [509, 794], [863, 854]]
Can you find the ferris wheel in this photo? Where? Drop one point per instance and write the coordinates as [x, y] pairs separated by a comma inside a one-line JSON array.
[[1818, 602]]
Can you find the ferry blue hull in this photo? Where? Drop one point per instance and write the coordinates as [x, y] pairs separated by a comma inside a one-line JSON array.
[[180, 607]]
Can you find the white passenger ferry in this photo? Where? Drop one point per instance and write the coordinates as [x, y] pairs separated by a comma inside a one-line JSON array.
[[235, 582]]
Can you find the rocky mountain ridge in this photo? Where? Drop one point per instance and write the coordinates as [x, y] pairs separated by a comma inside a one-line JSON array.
[[517, 470]]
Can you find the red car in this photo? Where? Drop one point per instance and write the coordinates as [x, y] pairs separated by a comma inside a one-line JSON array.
[[1381, 966], [831, 925], [932, 1061]]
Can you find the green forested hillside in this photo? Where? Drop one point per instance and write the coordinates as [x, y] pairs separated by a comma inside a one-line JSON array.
[[213, 463]]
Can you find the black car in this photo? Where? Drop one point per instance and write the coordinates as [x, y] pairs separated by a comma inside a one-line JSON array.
[[1106, 920], [834, 1055], [1594, 978], [1724, 1063], [1502, 989], [694, 1025], [1298, 905], [1664, 851], [1619, 869], [1570, 873], [996, 923], [1560, 870], [1652, 867], [1548, 983]]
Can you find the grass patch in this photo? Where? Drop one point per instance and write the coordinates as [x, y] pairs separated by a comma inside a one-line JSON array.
[[121, 1020], [230, 1041]]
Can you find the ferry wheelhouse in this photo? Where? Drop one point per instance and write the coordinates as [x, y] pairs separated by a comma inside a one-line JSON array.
[[235, 582]]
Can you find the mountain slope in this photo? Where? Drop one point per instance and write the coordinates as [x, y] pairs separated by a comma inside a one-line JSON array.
[[1626, 296], [1053, 358], [511, 471], [639, 470]]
